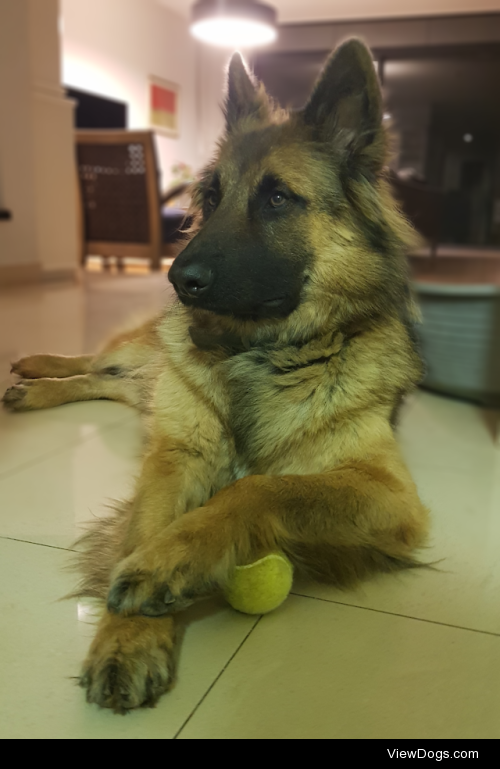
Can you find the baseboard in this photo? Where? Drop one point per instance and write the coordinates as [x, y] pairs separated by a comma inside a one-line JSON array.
[[19, 275], [12, 275], [70, 275]]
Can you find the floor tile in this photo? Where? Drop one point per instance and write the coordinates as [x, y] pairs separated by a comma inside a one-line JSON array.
[[313, 670], [28, 437], [114, 302], [75, 318], [445, 433], [49, 501], [42, 644]]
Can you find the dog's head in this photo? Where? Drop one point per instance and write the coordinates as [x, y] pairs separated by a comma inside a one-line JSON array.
[[293, 211]]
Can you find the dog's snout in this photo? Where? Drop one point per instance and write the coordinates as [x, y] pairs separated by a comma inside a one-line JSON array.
[[192, 280]]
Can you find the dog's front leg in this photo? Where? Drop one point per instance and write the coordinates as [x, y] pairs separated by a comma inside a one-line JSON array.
[[175, 479], [360, 517], [130, 662]]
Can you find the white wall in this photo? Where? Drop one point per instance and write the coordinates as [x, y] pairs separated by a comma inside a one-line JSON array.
[[111, 47], [17, 238], [37, 172], [54, 163], [212, 66]]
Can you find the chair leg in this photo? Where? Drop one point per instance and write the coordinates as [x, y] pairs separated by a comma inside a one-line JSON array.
[[434, 247], [156, 259]]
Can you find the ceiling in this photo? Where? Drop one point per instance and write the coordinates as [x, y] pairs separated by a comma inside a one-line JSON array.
[[294, 11]]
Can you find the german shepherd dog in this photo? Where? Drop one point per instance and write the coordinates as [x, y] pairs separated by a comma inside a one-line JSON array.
[[272, 384]]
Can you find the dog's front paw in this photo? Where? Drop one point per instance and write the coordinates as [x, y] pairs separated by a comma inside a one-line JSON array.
[[161, 580], [141, 592], [130, 664], [148, 593]]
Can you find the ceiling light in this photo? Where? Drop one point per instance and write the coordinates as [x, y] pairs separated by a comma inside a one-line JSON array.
[[468, 138], [233, 23]]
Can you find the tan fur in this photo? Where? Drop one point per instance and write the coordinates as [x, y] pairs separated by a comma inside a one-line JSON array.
[[138, 650], [263, 435]]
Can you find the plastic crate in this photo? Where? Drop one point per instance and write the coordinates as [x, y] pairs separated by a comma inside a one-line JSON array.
[[460, 338]]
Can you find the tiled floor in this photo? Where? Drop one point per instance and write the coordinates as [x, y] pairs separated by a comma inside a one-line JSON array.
[[414, 656]]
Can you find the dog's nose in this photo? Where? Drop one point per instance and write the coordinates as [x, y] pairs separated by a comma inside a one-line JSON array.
[[192, 280]]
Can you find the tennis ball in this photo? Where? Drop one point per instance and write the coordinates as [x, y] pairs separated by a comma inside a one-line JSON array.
[[262, 586]]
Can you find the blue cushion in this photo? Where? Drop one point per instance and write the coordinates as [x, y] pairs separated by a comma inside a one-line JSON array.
[[172, 219]]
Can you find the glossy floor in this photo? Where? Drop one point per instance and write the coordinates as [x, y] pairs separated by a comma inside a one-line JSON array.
[[414, 656]]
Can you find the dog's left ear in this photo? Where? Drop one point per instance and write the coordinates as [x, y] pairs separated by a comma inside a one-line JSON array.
[[346, 105], [245, 98]]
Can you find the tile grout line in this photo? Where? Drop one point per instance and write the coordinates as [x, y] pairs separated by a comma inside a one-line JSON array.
[[397, 614], [40, 544], [217, 678], [60, 450], [297, 595]]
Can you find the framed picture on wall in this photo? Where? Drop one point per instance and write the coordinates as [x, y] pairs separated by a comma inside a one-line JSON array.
[[164, 106]]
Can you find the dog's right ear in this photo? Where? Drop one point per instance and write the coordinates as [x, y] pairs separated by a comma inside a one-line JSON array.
[[244, 98]]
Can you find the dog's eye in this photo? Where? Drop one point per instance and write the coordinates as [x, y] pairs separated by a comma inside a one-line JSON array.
[[277, 199], [211, 199]]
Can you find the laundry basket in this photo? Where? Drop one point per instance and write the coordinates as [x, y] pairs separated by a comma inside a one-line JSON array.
[[460, 338]]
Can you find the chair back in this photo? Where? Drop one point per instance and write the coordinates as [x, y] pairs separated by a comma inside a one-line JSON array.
[[120, 201]]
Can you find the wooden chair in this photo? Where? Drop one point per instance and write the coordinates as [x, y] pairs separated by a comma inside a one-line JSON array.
[[121, 205]]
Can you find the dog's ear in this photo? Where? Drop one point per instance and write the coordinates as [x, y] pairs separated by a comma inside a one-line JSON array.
[[245, 99], [346, 105]]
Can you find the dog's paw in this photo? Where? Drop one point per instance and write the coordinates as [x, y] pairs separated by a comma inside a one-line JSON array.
[[129, 667], [31, 394], [190, 560], [32, 367], [15, 398], [21, 368], [146, 593], [162, 579]]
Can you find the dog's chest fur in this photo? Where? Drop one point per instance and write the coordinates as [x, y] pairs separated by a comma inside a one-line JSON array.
[[289, 409], [279, 399]]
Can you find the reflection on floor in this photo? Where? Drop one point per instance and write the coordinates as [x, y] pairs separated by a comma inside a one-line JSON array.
[[414, 656]]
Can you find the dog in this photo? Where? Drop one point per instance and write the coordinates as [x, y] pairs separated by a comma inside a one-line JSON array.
[[272, 384]]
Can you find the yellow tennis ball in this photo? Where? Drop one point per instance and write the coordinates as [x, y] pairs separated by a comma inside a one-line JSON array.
[[261, 586]]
